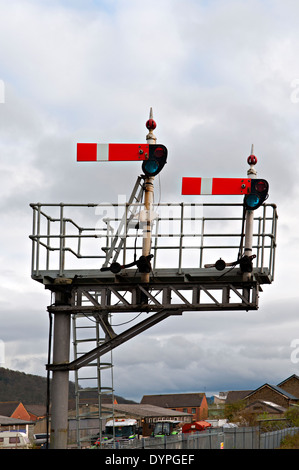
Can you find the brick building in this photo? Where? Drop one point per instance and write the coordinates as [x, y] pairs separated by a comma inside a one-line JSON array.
[[191, 403], [291, 385], [284, 394], [274, 394], [16, 409]]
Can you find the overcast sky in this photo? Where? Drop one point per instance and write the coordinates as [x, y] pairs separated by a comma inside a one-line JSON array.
[[219, 76]]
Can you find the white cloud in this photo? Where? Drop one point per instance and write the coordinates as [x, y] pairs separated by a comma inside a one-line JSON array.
[[209, 352], [219, 77]]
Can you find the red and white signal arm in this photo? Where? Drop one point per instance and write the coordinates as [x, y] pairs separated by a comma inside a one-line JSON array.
[[90, 152], [215, 186]]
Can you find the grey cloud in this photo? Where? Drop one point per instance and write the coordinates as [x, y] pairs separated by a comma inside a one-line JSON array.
[[216, 87]]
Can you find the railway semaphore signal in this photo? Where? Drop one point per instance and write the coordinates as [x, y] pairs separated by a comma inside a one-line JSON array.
[[255, 191], [153, 157]]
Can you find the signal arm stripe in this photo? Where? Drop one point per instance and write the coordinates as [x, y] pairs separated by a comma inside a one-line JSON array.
[[102, 152], [206, 185]]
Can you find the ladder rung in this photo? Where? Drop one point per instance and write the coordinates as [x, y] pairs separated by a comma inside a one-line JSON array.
[[88, 378], [86, 340]]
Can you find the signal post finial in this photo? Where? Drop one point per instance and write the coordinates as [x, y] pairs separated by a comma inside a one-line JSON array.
[[252, 160], [151, 125]]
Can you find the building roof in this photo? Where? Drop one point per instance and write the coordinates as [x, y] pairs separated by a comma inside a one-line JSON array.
[[146, 410], [8, 407], [37, 410], [90, 401], [8, 421], [269, 405], [236, 395], [294, 376], [275, 406], [279, 390], [175, 400], [221, 395]]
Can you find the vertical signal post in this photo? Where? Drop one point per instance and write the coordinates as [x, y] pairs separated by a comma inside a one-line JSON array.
[[249, 215], [148, 198]]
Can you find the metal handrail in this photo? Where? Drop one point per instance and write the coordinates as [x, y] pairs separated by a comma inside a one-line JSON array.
[[58, 232]]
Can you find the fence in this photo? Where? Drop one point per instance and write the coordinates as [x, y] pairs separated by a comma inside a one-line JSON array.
[[272, 440], [226, 438]]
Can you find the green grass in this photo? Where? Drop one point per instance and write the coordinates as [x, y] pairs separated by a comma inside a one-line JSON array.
[[290, 442]]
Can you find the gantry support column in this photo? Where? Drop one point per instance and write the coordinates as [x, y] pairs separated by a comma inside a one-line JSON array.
[[60, 379]]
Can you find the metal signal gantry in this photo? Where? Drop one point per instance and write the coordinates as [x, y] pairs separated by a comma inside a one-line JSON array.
[[133, 272]]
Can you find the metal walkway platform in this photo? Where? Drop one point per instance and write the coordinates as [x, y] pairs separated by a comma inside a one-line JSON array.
[[71, 243]]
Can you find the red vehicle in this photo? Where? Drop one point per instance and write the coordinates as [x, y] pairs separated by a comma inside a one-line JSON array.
[[195, 426]]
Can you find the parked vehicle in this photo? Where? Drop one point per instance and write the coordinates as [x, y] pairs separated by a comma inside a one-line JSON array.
[[166, 428], [120, 429], [195, 426], [40, 439], [14, 440]]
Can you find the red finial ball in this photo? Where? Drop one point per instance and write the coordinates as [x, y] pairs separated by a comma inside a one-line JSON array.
[[252, 160], [151, 124]]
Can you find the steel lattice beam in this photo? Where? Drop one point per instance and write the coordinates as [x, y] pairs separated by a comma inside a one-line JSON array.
[[97, 301], [127, 298], [113, 343]]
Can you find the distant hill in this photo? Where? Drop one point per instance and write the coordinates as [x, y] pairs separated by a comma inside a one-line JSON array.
[[31, 389], [27, 388]]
